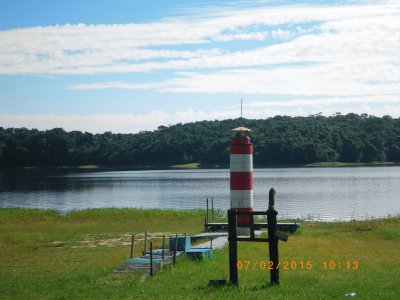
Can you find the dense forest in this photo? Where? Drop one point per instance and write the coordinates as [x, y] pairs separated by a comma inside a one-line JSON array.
[[278, 140]]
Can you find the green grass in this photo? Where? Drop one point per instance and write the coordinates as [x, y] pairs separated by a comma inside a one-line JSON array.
[[187, 166], [343, 164], [89, 167], [49, 255]]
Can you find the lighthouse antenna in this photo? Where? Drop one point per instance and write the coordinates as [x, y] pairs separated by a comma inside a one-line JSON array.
[[240, 131], [241, 112]]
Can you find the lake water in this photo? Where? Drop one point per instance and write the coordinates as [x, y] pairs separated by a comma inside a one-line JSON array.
[[316, 193]]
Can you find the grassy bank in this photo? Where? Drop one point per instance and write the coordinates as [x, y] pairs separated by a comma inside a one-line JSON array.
[[343, 164], [187, 166], [48, 255]]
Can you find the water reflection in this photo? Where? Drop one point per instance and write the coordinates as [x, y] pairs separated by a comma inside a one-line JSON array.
[[328, 193], [38, 180]]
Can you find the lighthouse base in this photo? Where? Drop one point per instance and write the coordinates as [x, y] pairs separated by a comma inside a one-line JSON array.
[[243, 221]]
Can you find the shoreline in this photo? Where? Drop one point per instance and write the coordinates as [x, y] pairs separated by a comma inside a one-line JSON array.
[[194, 211], [197, 166]]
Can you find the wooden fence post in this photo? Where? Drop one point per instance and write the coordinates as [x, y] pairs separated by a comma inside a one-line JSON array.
[[132, 242], [176, 248], [145, 243], [232, 235], [207, 212], [151, 259], [273, 240], [163, 248], [212, 209]]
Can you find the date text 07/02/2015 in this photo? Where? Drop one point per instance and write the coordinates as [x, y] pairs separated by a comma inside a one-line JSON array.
[[297, 265]]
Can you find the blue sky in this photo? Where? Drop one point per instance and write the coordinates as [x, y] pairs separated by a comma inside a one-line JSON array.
[[127, 66]]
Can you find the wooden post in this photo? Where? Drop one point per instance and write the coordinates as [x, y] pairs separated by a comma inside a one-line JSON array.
[[163, 247], [176, 247], [232, 223], [252, 235], [212, 209], [132, 242], [273, 240], [145, 243], [207, 212], [151, 259], [184, 244]]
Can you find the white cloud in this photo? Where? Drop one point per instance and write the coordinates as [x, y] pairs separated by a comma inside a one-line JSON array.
[[256, 36], [281, 34], [333, 79], [351, 50], [360, 101], [340, 32], [121, 123], [91, 123], [344, 57], [116, 85], [132, 123]]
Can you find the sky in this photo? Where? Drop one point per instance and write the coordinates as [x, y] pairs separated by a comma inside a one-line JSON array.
[[128, 66]]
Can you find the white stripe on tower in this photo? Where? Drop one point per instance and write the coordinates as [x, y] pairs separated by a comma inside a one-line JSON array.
[[241, 198], [241, 163]]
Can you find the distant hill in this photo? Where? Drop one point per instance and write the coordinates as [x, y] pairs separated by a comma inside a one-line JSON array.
[[278, 140]]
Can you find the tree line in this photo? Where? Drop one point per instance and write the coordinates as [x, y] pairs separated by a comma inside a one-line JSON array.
[[277, 140]]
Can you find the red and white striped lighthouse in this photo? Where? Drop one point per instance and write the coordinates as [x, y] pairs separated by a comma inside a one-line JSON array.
[[241, 177]]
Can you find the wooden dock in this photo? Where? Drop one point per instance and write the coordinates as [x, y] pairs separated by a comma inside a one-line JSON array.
[[154, 260], [150, 262], [283, 226], [211, 225]]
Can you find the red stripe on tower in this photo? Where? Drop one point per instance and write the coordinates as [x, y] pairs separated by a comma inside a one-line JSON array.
[[241, 175], [241, 180]]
